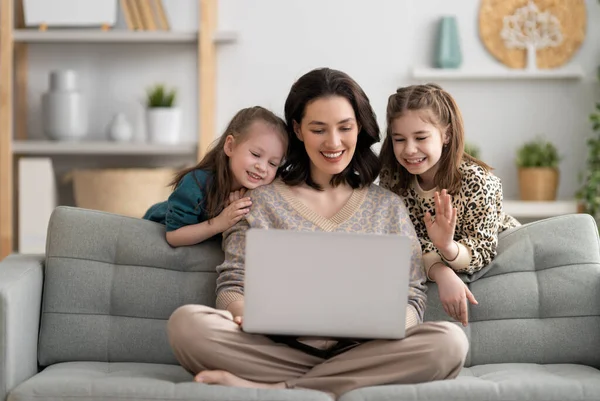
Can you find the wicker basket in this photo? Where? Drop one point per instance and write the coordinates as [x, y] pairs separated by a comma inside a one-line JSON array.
[[128, 192], [538, 183]]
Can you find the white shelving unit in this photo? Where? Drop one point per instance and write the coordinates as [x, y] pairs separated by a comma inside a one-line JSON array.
[[15, 145], [539, 210], [97, 36], [48, 148], [465, 74]]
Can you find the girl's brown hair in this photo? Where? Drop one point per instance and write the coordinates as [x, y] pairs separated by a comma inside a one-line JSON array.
[[438, 108], [216, 162]]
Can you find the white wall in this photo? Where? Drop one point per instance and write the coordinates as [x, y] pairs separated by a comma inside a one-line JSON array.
[[377, 42]]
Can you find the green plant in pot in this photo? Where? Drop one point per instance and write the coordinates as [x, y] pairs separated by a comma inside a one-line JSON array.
[[537, 162], [472, 150], [163, 119]]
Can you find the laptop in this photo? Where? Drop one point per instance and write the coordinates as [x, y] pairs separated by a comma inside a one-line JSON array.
[[324, 284]]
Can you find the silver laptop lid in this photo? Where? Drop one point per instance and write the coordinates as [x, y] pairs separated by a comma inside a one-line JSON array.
[[326, 284]]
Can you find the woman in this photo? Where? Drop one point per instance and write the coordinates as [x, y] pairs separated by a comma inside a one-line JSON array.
[[326, 184]]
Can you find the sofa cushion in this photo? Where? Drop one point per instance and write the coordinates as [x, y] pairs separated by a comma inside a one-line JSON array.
[[539, 300], [497, 382], [110, 284], [102, 381]]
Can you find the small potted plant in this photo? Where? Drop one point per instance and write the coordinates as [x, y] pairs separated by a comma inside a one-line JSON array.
[[472, 150], [163, 119], [537, 162]]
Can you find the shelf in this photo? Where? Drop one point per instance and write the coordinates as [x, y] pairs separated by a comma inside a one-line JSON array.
[[115, 36], [536, 209], [573, 72], [100, 148]]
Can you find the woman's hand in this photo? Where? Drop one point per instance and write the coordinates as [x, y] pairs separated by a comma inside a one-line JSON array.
[[233, 213], [441, 229], [453, 293], [236, 308]]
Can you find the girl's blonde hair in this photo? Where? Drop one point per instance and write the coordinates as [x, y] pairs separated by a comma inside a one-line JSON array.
[[437, 107], [216, 162]]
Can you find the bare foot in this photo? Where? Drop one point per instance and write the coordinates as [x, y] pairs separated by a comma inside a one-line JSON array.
[[227, 379]]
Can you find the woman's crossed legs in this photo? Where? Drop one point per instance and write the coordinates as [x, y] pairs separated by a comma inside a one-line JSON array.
[[207, 341]]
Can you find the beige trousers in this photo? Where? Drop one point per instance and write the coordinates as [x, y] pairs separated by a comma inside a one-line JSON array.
[[206, 338]]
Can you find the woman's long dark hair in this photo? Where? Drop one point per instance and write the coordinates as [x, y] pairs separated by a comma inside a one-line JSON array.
[[320, 83]]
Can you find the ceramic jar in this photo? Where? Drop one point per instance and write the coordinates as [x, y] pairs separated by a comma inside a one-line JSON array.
[[64, 111], [119, 129]]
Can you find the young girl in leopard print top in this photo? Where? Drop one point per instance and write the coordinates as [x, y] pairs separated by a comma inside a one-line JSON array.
[[455, 202]]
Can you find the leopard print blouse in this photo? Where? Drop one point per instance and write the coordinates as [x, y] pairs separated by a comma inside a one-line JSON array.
[[480, 217]]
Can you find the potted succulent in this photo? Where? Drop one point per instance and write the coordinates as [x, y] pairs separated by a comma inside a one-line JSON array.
[[163, 119], [537, 162]]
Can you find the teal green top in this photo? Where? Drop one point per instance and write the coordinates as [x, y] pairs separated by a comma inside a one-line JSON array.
[[186, 205]]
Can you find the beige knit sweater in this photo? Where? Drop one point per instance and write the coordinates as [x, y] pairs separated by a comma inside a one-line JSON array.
[[369, 210]]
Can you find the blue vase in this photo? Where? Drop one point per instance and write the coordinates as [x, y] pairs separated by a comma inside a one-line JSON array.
[[447, 52]]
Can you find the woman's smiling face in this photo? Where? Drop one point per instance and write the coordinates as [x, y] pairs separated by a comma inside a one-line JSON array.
[[329, 131]]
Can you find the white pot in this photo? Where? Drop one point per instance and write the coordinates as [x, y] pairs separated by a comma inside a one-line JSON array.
[[164, 125]]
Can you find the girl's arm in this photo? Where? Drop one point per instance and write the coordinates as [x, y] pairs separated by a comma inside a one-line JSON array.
[[477, 233], [196, 233], [185, 220], [441, 246], [193, 234], [453, 293]]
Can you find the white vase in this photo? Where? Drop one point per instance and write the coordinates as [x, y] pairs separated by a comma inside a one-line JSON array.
[[164, 125], [119, 129], [64, 111]]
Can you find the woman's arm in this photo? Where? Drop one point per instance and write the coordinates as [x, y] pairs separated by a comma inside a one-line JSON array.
[[230, 280], [416, 290], [236, 308]]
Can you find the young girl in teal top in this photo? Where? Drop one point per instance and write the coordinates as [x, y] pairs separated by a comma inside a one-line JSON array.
[[208, 198]]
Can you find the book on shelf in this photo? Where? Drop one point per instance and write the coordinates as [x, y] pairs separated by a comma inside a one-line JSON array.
[[145, 15], [38, 196]]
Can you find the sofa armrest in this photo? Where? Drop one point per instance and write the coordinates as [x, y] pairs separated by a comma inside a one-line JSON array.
[[21, 279]]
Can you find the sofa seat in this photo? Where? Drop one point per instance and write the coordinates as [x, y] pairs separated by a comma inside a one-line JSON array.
[[141, 381], [103, 381], [505, 381]]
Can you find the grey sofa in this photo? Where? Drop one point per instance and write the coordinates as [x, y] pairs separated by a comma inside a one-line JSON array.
[[87, 320]]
